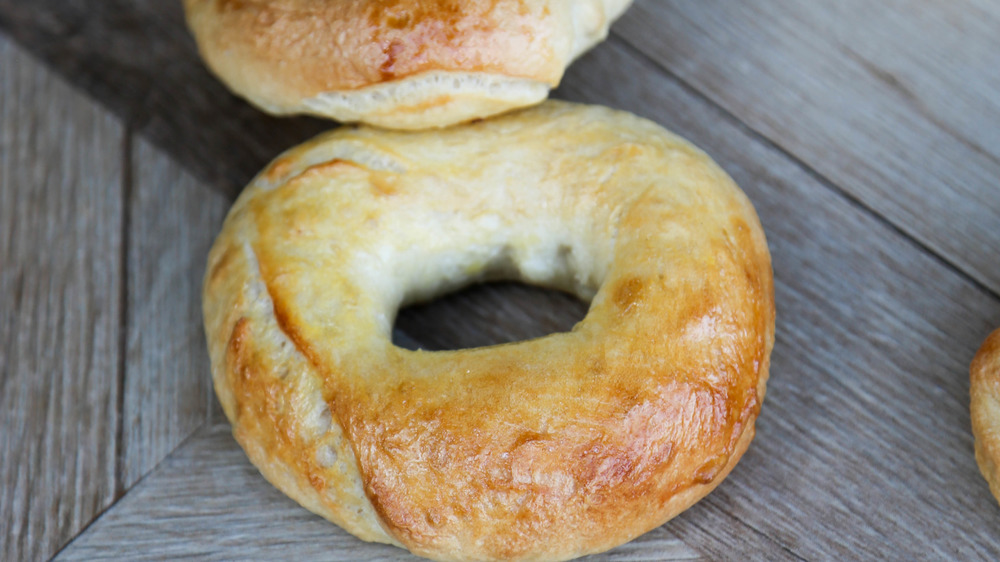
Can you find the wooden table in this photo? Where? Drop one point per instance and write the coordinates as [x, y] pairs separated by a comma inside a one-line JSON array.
[[866, 133]]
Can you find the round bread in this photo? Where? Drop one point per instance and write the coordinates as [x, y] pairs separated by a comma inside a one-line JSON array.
[[985, 410], [544, 449], [404, 64]]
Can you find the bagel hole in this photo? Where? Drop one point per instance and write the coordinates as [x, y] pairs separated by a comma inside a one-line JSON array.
[[487, 314]]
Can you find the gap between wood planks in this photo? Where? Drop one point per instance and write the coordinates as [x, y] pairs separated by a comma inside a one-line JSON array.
[[126, 203]]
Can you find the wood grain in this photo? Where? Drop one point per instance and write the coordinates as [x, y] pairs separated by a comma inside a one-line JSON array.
[[138, 59], [206, 501], [895, 102], [172, 221], [863, 446], [60, 275]]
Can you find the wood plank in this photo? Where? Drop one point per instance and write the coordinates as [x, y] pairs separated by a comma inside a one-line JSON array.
[[206, 501], [138, 59], [863, 446], [896, 102], [60, 291], [172, 223]]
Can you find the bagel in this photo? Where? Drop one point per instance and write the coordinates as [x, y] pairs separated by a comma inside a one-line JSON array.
[[406, 64], [984, 389], [549, 448]]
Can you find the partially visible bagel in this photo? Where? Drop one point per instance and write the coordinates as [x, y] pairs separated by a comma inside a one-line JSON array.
[[405, 64], [543, 449], [985, 409]]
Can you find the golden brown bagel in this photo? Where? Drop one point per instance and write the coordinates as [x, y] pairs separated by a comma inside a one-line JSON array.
[[405, 64], [985, 409], [544, 449]]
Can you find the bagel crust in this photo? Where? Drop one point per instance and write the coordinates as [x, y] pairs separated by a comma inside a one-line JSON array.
[[544, 449], [406, 64], [985, 410]]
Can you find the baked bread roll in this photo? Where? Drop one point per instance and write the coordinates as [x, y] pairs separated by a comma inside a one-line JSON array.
[[985, 410], [406, 64], [550, 448]]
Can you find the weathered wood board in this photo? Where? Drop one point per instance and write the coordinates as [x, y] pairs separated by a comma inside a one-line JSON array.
[[60, 301]]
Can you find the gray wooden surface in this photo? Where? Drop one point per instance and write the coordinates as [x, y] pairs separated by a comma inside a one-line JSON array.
[[60, 305], [895, 102], [172, 220], [866, 134]]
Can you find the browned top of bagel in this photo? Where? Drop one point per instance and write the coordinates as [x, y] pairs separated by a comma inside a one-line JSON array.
[[544, 449], [985, 409], [320, 46], [484, 55]]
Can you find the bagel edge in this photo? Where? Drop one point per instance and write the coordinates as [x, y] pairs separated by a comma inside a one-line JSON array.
[[984, 409]]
